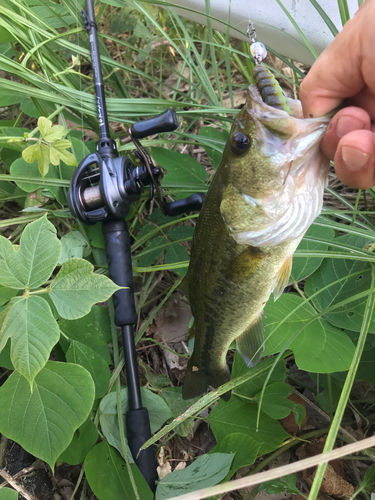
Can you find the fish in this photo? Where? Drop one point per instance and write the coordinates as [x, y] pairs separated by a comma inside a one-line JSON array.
[[267, 191]]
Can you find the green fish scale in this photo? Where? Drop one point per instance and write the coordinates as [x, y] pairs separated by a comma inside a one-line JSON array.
[[269, 88]]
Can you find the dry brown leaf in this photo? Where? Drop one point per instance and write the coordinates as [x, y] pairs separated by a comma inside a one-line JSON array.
[[289, 423]]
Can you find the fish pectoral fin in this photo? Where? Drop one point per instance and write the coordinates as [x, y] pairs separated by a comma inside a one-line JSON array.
[[249, 260], [250, 344], [235, 210], [282, 277]]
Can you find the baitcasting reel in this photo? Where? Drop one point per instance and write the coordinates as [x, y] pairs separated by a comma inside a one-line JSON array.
[[106, 184]]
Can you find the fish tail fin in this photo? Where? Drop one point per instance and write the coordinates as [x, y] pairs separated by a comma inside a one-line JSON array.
[[198, 380]]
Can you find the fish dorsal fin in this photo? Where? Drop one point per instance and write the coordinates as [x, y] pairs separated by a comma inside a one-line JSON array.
[[282, 277], [250, 344]]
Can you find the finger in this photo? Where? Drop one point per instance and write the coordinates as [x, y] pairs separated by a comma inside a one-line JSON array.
[[355, 159], [345, 121], [337, 73]]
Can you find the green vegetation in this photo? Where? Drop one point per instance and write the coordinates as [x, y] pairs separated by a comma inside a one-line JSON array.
[[60, 351]]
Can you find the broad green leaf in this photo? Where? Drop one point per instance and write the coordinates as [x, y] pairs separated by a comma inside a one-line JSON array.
[[243, 446], [83, 441], [176, 233], [49, 132], [82, 355], [95, 235], [276, 404], [33, 262], [286, 483], [332, 386], [219, 139], [182, 168], [23, 169], [5, 361], [304, 266], [93, 330], [207, 470], [58, 151], [251, 388], [319, 347], [155, 381], [108, 477], [6, 294], [76, 288], [348, 316], [177, 405], [41, 153], [33, 332], [236, 416], [157, 408], [8, 494], [153, 250], [366, 368], [44, 421], [74, 245], [176, 253]]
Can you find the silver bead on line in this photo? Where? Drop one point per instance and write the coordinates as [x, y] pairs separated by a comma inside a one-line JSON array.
[[258, 51]]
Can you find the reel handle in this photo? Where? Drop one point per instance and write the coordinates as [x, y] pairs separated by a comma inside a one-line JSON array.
[[165, 122]]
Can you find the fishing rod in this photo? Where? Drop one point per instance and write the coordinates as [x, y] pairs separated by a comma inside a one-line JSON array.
[[102, 189]]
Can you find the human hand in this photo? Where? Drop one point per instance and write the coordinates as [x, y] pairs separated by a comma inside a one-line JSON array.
[[346, 70]]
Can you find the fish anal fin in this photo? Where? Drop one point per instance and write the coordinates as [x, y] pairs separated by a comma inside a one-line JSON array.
[[249, 260], [197, 380], [250, 344], [282, 277]]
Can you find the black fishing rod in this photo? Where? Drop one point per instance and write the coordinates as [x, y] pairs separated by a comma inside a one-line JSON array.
[[102, 189]]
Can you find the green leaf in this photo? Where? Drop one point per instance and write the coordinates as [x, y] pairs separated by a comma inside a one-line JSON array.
[[6, 294], [177, 405], [92, 330], [48, 132], [182, 168], [35, 259], [218, 139], [23, 169], [287, 483], [332, 387], [83, 441], [107, 475], [43, 421], [95, 235], [156, 406], [39, 152], [236, 416], [5, 360], [151, 252], [176, 233], [319, 347], [207, 470], [13, 132], [58, 151], [304, 266], [276, 404], [368, 480], [251, 388], [176, 253], [33, 332], [76, 288], [155, 381], [350, 315], [74, 245], [243, 446], [82, 355], [8, 494]]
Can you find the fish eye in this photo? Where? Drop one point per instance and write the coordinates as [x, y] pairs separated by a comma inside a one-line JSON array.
[[240, 143]]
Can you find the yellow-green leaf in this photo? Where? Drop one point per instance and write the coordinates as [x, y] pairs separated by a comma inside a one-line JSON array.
[[58, 151], [31, 153], [49, 132]]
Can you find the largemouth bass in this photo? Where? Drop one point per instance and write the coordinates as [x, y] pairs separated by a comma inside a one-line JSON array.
[[265, 194]]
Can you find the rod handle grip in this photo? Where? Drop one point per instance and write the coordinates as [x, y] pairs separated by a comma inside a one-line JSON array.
[[138, 432]]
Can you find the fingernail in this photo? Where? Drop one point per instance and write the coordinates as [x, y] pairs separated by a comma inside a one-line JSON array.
[[346, 124], [353, 158]]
